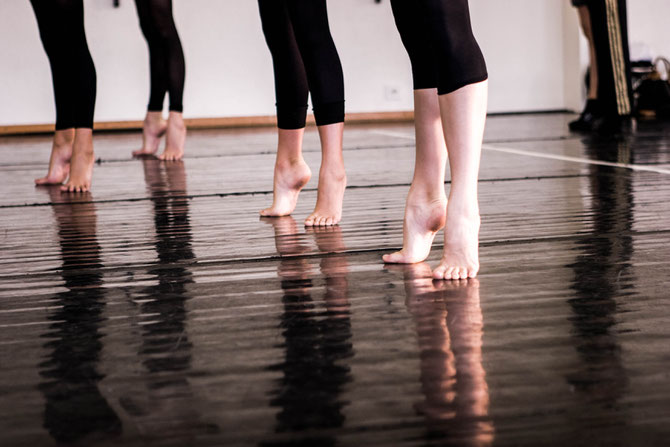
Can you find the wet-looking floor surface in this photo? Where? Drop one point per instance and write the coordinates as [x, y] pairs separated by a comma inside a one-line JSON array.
[[160, 310]]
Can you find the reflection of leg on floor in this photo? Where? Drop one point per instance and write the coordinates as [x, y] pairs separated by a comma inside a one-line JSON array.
[[75, 409], [317, 342], [449, 327]]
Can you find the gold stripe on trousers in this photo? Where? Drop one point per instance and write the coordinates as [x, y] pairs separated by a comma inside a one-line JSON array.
[[617, 54]]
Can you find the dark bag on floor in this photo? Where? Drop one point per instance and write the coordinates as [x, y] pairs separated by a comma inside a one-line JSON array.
[[653, 92]]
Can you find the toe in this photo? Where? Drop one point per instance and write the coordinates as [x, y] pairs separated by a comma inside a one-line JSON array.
[[393, 258], [329, 221], [439, 272]]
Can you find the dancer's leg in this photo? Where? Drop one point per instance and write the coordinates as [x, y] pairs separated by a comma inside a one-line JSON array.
[[175, 137], [332, 178], [463, 118], [81, 169], [167, 68], [309, 19], [61, 25], [291, 173], [153, 129], [585, 22], [425, 212], [59, 162]]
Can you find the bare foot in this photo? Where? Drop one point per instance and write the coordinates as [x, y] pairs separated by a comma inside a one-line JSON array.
[[176, 138], [289, 179], [81, 169], [59, 163], [153, 129], [424, 217], [328, 209], [461, 246]]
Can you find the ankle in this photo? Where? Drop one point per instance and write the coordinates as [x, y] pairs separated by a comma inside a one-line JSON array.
[[469, 213], [153, 117], [64, 138], [424, 193], [333, 172], [289, 163], [176, 123]]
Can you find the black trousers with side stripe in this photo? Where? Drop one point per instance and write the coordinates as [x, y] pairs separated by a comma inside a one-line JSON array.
[[610, 37]]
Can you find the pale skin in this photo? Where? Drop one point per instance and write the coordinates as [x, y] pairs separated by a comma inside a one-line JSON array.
[[155, 127], [585, 22], [291, 174], [72, 158], [460, 116]]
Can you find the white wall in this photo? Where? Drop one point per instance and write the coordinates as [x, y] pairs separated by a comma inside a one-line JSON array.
[[229, 69], [648, 24]]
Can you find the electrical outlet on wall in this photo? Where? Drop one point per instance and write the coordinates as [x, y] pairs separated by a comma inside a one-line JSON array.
[[392, 92]]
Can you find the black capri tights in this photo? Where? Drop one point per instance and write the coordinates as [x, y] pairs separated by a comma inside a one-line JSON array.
[[438, 37], [305, 60], [166, 56], [61, 25]]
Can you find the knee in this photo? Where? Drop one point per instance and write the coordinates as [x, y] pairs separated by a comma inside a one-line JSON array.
[[167, 32]]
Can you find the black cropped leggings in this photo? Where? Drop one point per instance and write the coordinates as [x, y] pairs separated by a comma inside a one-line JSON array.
[[438, 37], [166, 56], [305, 61], [61, 25]]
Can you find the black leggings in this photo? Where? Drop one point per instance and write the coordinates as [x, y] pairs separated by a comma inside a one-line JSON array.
[[166, 57], [438, 37], [305, 60], [61, 25]]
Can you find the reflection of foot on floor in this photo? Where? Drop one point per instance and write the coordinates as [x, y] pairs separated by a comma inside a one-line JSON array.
[[175, 138], [153, 129], [461, 245], [59, 163], [289, 179], [423, 219], [81, 166], [328, 239], [330, 195], [287, 236], [330, 242]]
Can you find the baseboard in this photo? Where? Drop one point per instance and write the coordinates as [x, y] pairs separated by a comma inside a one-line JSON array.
[[215, 123]]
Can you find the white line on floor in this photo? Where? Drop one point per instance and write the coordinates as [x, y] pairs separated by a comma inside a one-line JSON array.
[[576, 159], [508, 150]]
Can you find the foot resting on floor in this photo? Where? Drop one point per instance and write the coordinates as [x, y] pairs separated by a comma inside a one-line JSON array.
[[59, 163], [330, 195], [153, 129], [424, 217], [461, 245], [289, 179]]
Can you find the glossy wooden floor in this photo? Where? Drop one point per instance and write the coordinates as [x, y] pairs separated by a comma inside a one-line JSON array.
[[161, 311]]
